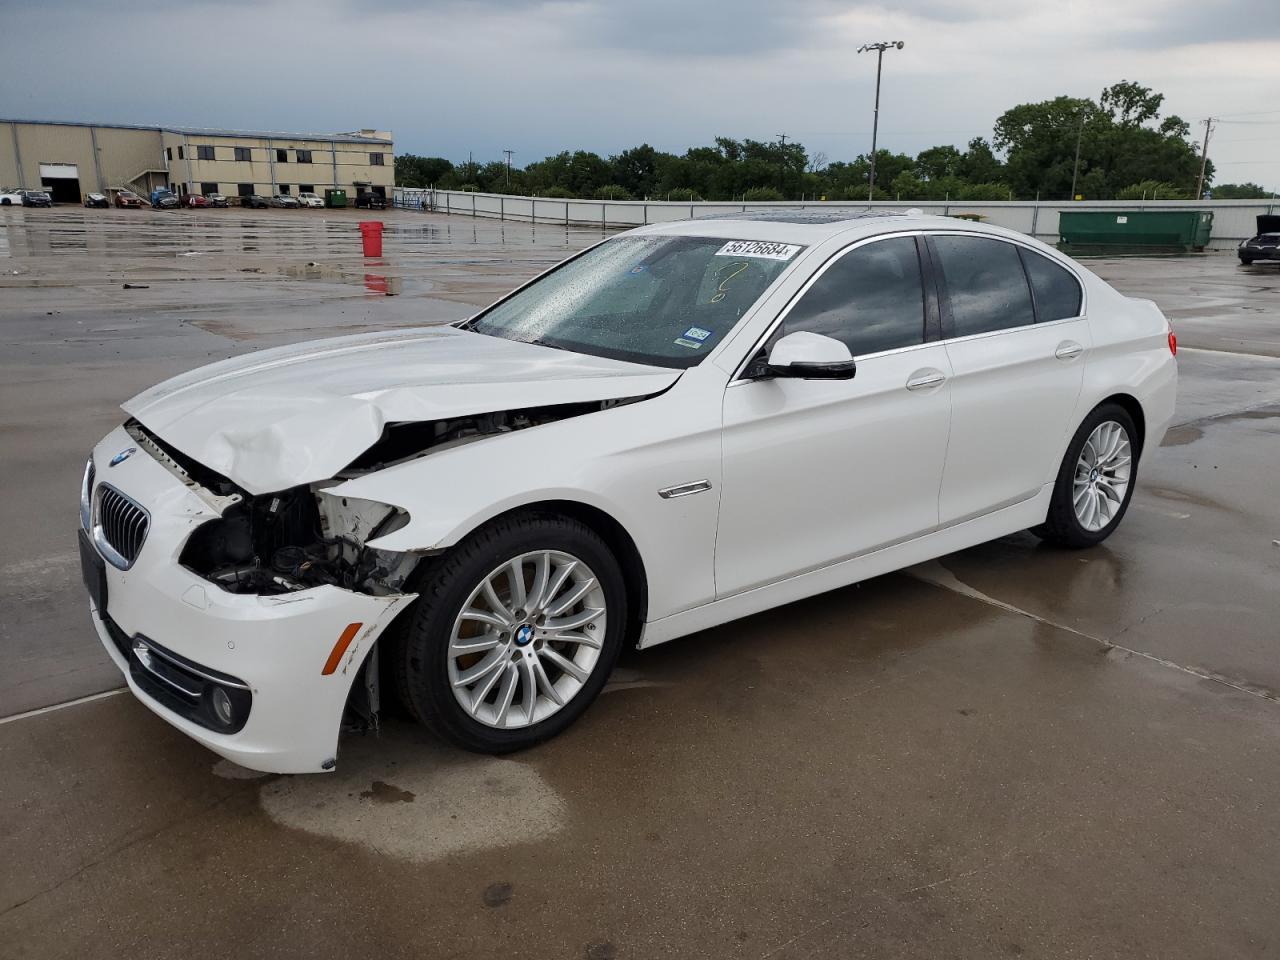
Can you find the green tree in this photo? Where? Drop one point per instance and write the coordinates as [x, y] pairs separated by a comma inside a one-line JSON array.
[[1240, 191], [1121, 142], [415, 171]]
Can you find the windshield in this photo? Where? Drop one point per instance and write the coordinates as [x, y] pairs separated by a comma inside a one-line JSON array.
[[660, 300]]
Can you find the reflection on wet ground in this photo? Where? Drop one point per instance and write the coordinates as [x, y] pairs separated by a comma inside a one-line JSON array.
[[1012, 751]]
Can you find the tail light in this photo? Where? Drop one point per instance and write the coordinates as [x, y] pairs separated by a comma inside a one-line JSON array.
[[1173, 343]]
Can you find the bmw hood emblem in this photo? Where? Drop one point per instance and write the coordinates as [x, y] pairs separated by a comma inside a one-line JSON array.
[[122, 456]]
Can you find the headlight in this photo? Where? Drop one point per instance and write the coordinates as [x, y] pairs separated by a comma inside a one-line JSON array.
[[86, 493]]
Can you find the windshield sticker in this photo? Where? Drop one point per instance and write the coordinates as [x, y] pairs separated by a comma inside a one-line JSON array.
[[762, 249], [691, 344], [697, 333]]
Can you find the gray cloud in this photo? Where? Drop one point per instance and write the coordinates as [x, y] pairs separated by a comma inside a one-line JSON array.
[[452, 76]]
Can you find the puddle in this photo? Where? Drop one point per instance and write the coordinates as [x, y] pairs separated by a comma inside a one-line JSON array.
[[418, 801], [374, 283]]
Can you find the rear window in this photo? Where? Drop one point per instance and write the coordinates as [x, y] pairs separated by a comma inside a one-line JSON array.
[[985, 282], [1057, 293]]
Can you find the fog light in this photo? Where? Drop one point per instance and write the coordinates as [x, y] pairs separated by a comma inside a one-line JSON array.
[[221, 706]]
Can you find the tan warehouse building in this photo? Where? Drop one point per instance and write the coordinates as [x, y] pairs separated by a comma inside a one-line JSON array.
[[72, 159]]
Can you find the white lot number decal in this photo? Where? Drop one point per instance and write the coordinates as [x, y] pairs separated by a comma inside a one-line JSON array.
[[762, 249]]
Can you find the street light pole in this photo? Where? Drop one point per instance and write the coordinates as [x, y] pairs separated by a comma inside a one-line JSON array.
[[508, 154], [879, 48]]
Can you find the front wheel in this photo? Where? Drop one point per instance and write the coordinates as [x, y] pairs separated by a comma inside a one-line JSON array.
[[514, 633], [1095, 481]]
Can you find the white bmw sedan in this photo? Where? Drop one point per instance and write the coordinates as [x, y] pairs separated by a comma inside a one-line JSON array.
[[681, 425]]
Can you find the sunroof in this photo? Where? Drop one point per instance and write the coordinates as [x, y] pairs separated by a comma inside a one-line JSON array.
[[804, 216]]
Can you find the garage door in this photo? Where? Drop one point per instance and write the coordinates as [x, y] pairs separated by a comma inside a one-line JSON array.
[[62, 180]]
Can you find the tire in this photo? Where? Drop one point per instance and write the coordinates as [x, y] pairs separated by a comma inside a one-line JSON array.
[[428, 668], [1246, 261], [1064, 525]]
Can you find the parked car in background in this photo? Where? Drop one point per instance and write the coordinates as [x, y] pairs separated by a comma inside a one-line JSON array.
[[97, 200], [36, 198], [217, 200], [195, 200], [284, 200], [253, 200], [163, 198], [10, 197], [125, 198], [308, 199], [1265, 244], [371, 201], [683, 425]]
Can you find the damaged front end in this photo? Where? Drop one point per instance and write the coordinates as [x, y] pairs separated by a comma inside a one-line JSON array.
[[299, 538], [307, 536]]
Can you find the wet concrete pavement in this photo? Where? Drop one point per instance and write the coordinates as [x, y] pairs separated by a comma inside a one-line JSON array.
[[1014, 751]]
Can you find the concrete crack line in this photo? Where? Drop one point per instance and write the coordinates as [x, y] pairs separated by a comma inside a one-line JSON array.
[[936, 574]]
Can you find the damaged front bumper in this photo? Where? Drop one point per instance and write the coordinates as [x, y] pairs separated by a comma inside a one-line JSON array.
[[287, 660]]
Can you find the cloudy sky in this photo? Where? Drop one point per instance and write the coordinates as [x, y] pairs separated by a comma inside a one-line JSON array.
[[452, 76]]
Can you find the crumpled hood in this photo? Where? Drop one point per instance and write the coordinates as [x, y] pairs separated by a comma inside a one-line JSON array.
[[298, 414]]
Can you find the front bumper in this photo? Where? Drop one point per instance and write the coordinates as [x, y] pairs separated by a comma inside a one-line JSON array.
[[276, 646]]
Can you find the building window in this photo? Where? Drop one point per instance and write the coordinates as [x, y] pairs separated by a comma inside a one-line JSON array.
[[306, 188], [243, 154], [304, 156], [375, 159], [179, 153], [282, 156], [244, 189], [284, 188], [208, 188], [204, 153], [168, 153]]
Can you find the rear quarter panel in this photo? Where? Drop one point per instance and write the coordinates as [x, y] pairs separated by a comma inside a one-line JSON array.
[[1130, 355]]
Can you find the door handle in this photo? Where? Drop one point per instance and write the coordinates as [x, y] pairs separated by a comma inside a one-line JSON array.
[[924, 379], [1068, 350]]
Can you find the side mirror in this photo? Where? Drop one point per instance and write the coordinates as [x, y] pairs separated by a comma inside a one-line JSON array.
[[810, 356]]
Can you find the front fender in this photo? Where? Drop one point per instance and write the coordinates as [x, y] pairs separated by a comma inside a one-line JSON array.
[[614, 460]]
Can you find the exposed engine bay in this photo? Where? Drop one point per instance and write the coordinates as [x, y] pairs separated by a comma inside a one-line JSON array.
[[304, 536]]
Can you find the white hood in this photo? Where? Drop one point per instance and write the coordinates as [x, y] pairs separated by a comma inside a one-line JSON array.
[[298, 414]]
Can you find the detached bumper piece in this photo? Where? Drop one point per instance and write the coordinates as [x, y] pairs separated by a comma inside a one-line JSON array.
[[213, 700]]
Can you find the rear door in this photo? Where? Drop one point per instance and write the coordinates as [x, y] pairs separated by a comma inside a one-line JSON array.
[[1017, 340]]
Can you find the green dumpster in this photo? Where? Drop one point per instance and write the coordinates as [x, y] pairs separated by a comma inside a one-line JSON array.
[[335, 198], [1137, 229]]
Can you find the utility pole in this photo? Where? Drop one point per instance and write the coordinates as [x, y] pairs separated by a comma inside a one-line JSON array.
[[879, 48], [782, 163], [508, 155], [1075, 170], [1204, 156]]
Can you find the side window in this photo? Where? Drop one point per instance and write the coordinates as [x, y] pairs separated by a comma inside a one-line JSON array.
[[1057, 293], [872, 298], [985, 282]]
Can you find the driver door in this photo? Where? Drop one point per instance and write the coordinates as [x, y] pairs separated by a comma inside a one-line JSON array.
[[819, 471]]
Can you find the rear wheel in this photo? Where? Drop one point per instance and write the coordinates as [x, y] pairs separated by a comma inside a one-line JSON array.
[[514, 634], [1095, 481]]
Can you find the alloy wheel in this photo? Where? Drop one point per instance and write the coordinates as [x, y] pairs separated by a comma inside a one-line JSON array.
[[527, 639], [1102, 475]]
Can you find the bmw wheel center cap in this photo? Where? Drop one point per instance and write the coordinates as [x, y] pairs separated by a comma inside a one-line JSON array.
[[524, 635]]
